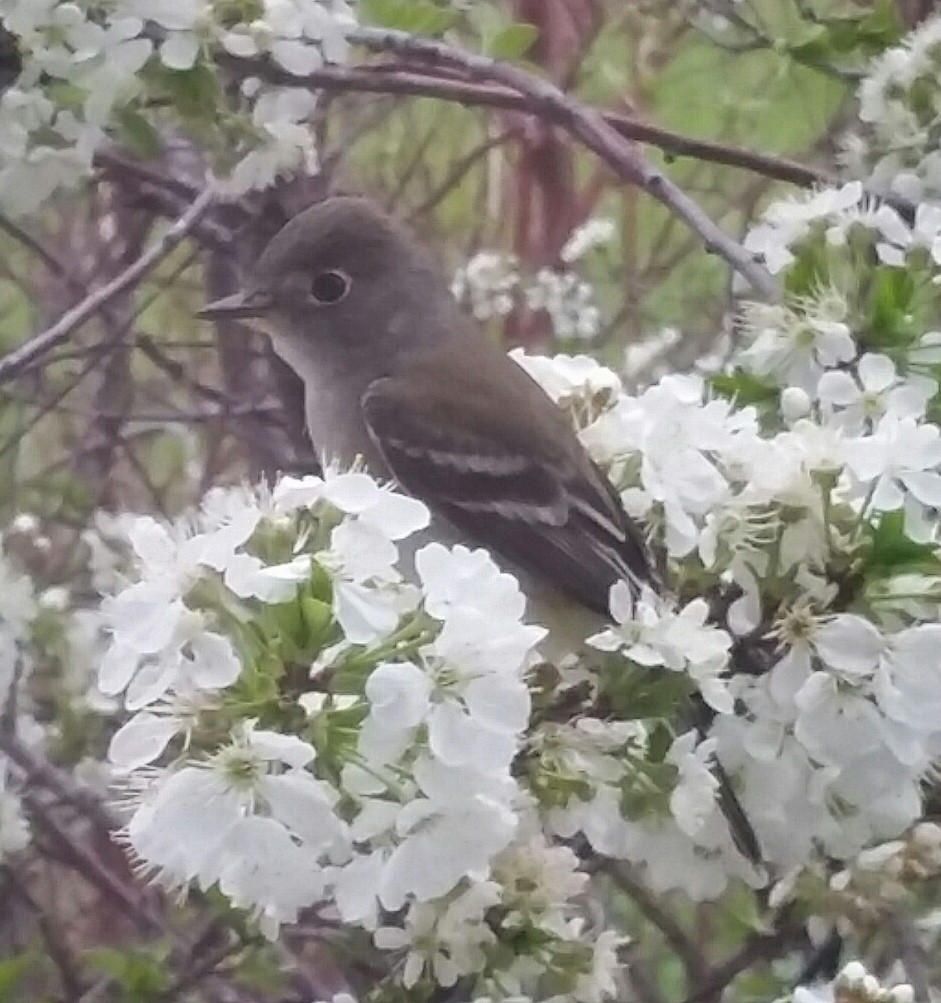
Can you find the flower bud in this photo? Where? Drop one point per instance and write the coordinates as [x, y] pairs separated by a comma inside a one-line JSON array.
[[795, 404]]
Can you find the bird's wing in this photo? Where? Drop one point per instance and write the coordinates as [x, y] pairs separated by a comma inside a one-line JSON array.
[[517, 483]]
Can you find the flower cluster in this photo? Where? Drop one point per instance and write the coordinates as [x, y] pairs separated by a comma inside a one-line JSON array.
[[313, 711], [880, 883], [568, 300], [50, 132], [18, 608], [896, 147], [307, 728], [487, 284], [491, 284], [854, 984], [806, 509]]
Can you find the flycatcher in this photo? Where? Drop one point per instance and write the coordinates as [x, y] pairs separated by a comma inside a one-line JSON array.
[[394, 372]]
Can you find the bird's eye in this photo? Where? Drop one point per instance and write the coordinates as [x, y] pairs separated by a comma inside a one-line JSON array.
[[330, 287]]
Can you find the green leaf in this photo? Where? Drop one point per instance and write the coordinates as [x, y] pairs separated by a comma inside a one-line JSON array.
[[317, 616], [229, 13], [766, 100], [137, 134], [744, 388], [882, 26], [142, 974], [892, 550], [833, 39], [890, 305], [512, 42], [285, 621], [420, 17], [804, 273], [637, 692], [320, 584], [194, 92], [815, 47]]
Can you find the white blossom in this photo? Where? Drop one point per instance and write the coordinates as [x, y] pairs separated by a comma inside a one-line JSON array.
[[651, 634], [251, 817], [487, 284], [448, 832], [857, 404], [568, 300], [592, 233]]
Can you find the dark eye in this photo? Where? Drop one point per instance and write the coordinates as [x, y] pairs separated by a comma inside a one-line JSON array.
[[330, 287]]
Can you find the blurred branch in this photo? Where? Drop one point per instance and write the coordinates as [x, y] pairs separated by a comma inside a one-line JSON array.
[[642, 978], [682, 945], [66, 788], [90, 866], [31, 243], [56, 948], [548, 101], [115, 391], [195, 959], [413, 81], [760, 947], [458, 170], [12, 362], [95, 356]]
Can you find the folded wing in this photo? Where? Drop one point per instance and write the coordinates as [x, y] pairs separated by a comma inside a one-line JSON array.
[[517, 482]]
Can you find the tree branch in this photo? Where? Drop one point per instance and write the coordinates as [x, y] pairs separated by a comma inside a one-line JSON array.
[[12, 362], [412, 81], [548, 101], [683, 946]]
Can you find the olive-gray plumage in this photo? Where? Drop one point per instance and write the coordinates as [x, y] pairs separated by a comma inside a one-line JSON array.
[[395, 372]]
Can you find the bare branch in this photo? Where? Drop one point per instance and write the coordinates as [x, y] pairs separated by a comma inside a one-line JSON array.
[[56, 947], [682, 945], [586, 123], [413, 81], [44, 342]]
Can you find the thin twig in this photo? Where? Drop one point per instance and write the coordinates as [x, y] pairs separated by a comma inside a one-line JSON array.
[[415, 81], [457, 171], [44, 342], [585, 123], [761, 947], [66, 788], [683, 946], [50, 260], [90, 866], [56, 947]]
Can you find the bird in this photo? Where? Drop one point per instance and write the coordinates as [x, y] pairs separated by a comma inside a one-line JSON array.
[[397, 377]]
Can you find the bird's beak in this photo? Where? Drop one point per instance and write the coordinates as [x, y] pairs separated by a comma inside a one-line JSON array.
[[238, 306]]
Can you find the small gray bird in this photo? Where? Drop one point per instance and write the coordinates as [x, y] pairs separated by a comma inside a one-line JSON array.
[[394, 372]]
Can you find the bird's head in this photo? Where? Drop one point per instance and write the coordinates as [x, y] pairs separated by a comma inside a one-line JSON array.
[[340, 271]]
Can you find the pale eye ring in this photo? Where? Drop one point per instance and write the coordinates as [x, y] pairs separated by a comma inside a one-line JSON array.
[[330, 287]]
